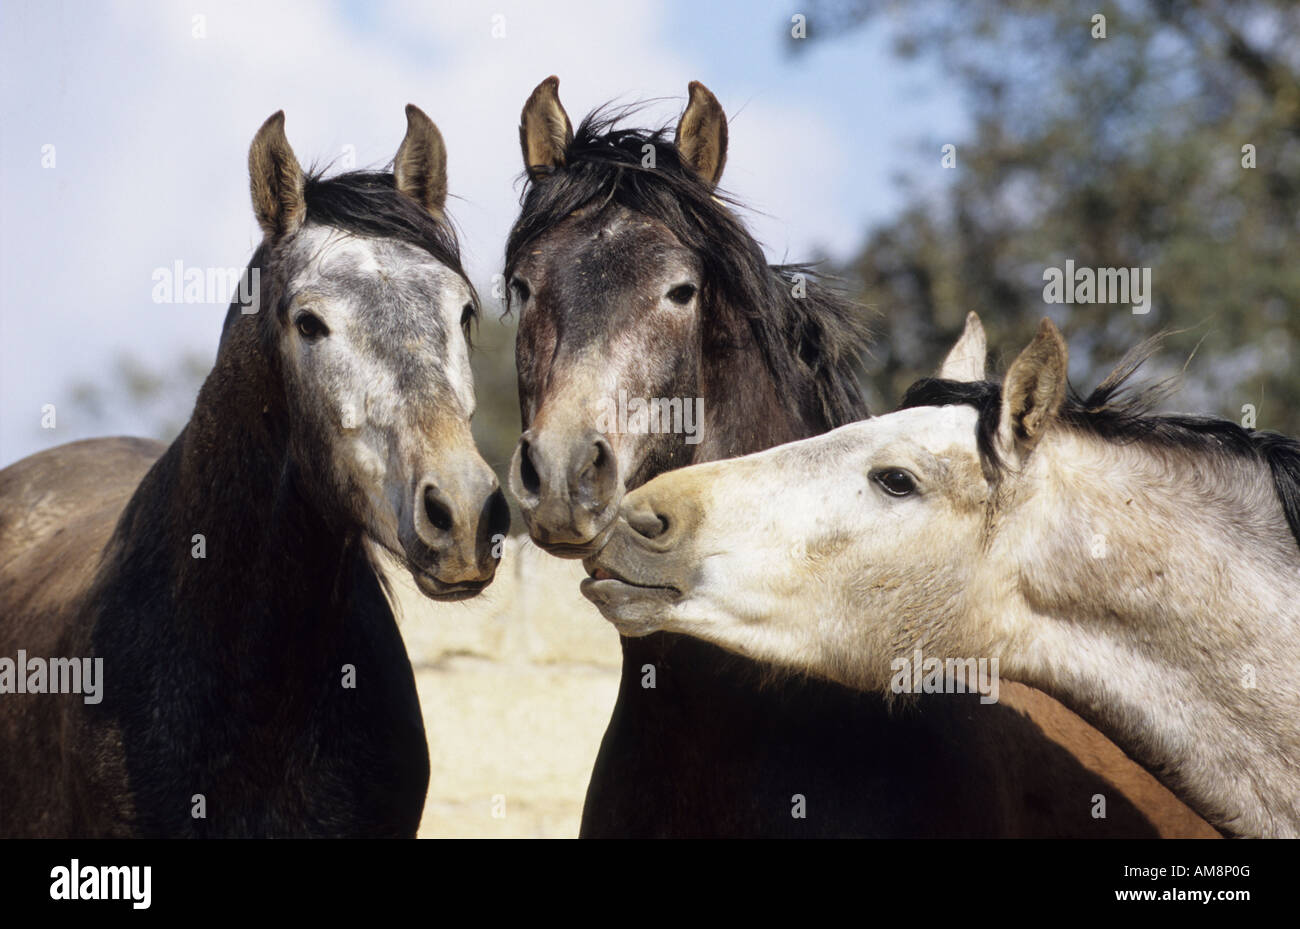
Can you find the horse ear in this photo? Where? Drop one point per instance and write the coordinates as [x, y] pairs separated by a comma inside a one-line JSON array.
[[420, 166], [702, 134], [1032, 393], [966, 360], [276, 180], [544, 128]]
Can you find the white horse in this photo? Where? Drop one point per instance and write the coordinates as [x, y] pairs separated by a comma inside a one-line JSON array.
[[1143, 569]]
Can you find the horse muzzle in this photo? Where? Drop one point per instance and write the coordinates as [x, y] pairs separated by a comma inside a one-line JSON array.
[[568, 489], [451, 540], [646, 566]]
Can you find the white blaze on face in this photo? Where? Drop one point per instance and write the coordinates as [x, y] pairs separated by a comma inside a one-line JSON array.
[[454, 295], [357, 389]]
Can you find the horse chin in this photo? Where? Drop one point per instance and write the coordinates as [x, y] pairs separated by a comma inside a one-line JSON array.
[[570, 550], [581, 550], [635, 609], [435, 589]]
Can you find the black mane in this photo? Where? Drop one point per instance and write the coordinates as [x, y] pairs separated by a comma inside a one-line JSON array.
[[1120, 413], [813, 339]]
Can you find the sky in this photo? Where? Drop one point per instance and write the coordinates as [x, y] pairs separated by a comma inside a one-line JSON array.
[[125, 132]]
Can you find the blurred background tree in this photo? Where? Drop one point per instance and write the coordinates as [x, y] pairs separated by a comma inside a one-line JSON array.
[[159, 397], [1123, 151], [496, 421]]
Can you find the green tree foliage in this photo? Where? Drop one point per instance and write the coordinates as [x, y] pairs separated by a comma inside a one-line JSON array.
[[496, 386], [1123, 151]]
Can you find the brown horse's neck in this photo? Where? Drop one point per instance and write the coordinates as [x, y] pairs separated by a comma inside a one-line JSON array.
[[223, 517], [744, 411]]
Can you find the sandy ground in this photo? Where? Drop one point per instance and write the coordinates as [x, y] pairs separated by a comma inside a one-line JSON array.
[[516, 687]]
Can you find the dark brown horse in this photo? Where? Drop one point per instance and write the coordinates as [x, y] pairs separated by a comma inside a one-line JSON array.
[[252, 680], [635, 283]]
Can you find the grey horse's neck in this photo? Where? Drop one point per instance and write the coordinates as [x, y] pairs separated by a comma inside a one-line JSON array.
[[1174, 626]]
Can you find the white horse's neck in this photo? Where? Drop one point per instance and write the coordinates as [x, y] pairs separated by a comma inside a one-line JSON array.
[[1159, 596]]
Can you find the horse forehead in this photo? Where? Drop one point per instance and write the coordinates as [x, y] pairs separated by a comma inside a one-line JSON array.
[[327, 254], [615, 239], [935, 429]]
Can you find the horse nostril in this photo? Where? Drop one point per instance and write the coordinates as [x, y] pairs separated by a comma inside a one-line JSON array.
[[528, 475], [436, 509], [600, 475], [498, 515], [648, 523]]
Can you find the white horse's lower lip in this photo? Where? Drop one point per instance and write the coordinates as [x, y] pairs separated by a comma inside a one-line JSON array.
[[635, 611], [608, 585]]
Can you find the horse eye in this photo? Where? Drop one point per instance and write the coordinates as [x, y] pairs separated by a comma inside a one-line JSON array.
[[467, 314], [521, 290], [681, 294], [895, 481], [311, 327]]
